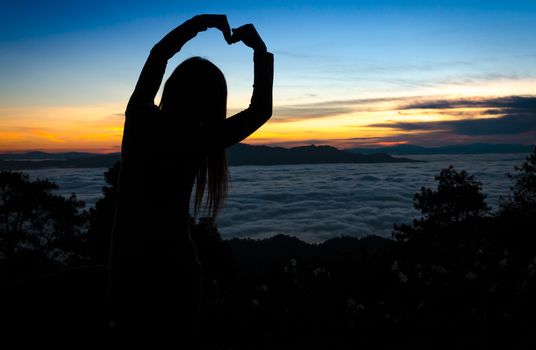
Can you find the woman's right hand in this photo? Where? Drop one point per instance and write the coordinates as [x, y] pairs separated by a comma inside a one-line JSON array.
[[174, 40], [249, 36]]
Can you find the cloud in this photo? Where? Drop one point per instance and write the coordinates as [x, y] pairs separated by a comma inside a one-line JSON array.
[[510, 124], [509, 119], [517, 115], [318, 202], [292, 113], [508, 102], [330, 108]]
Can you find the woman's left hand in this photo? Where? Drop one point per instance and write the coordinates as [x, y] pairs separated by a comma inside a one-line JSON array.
[[214, 21]]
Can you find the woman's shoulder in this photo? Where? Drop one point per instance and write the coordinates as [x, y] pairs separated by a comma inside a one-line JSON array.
[[140, 124]]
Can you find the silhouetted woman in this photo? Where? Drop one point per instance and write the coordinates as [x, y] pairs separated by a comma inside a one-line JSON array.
[[155, 273]]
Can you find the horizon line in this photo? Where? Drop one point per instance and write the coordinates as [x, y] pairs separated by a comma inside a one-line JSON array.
[[103, 152]]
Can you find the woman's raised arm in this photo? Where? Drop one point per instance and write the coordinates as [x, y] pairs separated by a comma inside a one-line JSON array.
[[243, 124], [155, 66]]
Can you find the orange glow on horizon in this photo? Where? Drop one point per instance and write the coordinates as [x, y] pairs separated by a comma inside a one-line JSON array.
[[392, 143], [57, 129], [99, 128]]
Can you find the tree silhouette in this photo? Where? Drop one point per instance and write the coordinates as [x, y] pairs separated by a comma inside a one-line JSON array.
[[101, 217], [33, 218], [458, 197], [522, 199]]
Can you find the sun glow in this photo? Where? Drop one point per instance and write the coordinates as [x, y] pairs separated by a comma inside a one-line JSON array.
[[92, 128]]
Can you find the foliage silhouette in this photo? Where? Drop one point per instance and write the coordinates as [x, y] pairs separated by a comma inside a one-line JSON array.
[[34, 221], [522, 199], [458, 197], [101, 217]]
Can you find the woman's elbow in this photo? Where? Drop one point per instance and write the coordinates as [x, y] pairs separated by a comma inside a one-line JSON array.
[[267, 113], [261, 112], [266, 110], [264, 115]]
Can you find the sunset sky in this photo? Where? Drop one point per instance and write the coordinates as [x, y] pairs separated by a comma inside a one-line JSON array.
[[347, 73]]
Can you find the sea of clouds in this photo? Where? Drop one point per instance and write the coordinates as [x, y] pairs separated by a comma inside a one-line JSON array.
[[317, 202]]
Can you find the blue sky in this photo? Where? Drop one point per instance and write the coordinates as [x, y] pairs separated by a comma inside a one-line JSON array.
[[85, 56]]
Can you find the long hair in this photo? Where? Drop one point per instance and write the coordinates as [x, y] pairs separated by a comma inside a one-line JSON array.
[[197, 92]]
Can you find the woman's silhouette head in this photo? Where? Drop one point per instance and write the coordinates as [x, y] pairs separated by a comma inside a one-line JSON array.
[[195, 96], [196, 90]]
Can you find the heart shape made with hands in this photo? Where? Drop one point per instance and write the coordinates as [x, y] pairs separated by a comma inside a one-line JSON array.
[[245, 33]]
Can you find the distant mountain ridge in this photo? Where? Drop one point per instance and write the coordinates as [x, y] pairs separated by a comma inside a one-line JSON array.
[[39, 156], [473, 148], [57, 161], [240, 154], [243, 154]]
